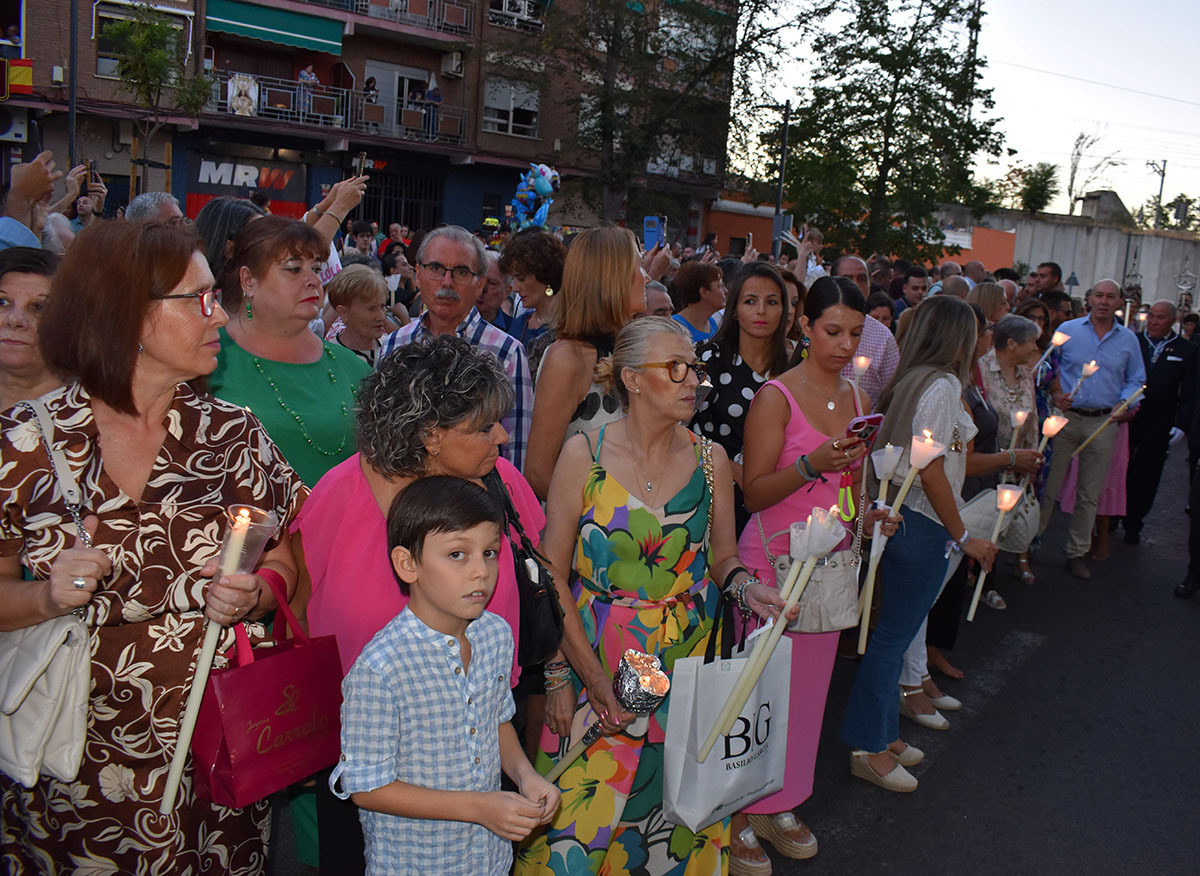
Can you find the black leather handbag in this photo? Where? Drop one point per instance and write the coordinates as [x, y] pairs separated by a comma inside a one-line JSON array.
[[541, 614]]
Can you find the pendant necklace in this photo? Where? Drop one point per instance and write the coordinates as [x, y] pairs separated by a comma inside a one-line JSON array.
[[638, 471], [828, 403]]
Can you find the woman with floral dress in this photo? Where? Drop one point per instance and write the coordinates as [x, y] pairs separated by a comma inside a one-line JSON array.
[[133, 316], [632, 502]]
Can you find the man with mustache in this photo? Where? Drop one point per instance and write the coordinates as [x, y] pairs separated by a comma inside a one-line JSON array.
[[451, 266]]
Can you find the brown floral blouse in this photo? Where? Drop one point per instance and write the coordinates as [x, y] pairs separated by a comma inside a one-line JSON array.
[[147, 627]]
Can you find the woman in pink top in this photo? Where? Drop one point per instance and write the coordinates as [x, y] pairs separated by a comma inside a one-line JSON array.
[[794, 455], [429, 409]]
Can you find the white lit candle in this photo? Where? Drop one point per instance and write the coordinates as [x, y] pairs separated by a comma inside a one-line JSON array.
[[1017, 418], [922, 451], [249, 529], [1051, 427], [1089, 369], [861, 364], [1141, 318], [1007, 497], [1056, 341]]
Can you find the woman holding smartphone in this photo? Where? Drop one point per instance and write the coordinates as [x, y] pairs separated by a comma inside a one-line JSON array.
[[796, 452]]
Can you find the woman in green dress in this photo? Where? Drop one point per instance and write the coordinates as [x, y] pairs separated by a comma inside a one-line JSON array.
[[632, 502], [301, 388]]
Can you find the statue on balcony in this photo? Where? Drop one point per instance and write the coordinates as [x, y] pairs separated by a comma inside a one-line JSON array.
[[532, 202], [243, 95]]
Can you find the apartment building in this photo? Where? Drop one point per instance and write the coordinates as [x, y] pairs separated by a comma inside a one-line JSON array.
[[427, 89]]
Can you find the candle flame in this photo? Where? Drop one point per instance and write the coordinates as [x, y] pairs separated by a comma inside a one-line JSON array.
[[1019, 417], [1053, 425], [928, 436], [1007, 497], [861, 364], [243, 518]]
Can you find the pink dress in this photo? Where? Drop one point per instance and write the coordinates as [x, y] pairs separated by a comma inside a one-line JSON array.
[[812, 653], [1112, 497], [354, 593]]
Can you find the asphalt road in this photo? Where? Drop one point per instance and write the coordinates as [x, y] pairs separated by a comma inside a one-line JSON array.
[[1073, 752]]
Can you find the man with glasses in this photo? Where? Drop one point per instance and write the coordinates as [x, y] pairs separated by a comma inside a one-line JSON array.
[[451, 265]]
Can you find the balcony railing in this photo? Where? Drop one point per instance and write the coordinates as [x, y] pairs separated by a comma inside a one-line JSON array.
[[413, 120], [448, 16], [283, 100]]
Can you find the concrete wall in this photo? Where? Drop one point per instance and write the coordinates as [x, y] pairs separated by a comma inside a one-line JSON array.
[[1095, 252]]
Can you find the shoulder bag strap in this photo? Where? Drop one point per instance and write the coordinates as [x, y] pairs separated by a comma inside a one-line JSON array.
[[62, 471]]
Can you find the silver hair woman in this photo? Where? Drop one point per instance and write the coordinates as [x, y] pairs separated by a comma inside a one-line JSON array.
[[628, 509], [432, 408]]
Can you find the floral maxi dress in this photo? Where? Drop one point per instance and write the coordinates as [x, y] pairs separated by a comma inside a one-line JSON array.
[[642, 583]]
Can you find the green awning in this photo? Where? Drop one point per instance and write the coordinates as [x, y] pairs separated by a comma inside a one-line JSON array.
[[275, 25]]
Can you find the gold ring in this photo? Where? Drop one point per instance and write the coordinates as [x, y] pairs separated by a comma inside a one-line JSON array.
[[836, 444]]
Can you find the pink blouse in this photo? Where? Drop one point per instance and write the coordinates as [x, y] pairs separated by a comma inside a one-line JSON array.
[[354, 593]]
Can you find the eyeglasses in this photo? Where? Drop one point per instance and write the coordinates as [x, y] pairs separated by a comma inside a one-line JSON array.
[[208, 300], [677, 370], [460, 274]]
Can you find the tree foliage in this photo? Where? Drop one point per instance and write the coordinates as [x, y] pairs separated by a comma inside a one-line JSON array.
[[1039, 186], [1181, 213], [152, 65], [651, 83], [891, 124]]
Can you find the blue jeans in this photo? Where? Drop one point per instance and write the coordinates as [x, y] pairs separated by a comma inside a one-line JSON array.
[[911, 570]]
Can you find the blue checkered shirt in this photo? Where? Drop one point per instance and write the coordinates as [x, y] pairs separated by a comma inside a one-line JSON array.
[[412, 713], [512, 358]]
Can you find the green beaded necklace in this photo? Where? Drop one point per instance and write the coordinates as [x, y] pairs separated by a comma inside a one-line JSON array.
[[303, 429]]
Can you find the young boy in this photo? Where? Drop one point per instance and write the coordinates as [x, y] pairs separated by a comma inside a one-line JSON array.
[[426, 707]]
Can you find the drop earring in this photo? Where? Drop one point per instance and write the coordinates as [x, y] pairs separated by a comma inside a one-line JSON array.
[[249, 310], [549, 291], [805, 343], [139, 347]]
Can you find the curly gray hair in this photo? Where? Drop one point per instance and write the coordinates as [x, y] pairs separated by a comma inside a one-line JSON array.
[[423, 386]]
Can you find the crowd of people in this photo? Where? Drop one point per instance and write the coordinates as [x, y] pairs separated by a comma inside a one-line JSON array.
[[414, 407]]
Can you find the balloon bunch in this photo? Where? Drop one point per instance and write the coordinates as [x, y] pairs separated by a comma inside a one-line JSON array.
[[532, 202]]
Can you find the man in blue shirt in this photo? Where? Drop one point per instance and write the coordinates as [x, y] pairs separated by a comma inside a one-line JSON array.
[[1100, 338]]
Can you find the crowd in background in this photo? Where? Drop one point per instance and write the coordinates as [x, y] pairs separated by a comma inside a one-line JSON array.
[[656, 418]]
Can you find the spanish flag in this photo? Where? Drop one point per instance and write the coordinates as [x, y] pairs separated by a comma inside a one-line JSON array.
[[17, 78]]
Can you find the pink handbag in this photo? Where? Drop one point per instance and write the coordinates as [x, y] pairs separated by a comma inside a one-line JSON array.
[[272, 718]]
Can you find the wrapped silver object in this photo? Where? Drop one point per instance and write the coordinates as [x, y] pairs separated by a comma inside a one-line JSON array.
[[639, 685]]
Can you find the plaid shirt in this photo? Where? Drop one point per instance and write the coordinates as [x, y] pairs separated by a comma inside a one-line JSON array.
[[876, 342], [512, 358], [412, 713]]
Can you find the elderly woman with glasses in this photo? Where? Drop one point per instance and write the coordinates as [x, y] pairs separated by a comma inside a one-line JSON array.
[[451, 266], [132, 317], [628, 512]]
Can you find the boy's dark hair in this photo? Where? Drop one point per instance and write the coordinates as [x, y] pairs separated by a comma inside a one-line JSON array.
[[1007, 274], [439, 503], [1192, 317], [361, 227]]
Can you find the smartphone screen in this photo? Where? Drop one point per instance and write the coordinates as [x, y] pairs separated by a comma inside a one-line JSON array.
[[651, 229], [749, 240]]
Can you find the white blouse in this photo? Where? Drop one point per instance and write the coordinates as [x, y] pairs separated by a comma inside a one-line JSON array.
[[941, 411]]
